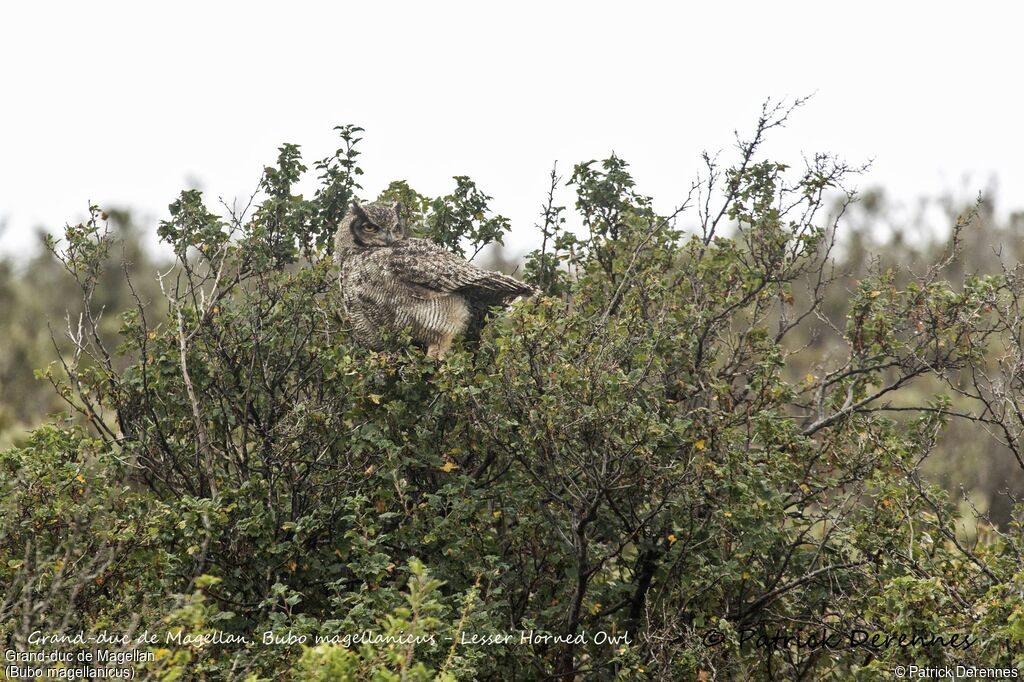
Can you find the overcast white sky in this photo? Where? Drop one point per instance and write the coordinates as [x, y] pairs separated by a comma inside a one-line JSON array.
[[123, 102]]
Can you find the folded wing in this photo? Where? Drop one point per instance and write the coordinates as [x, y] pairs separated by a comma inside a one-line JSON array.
[[425, 264]]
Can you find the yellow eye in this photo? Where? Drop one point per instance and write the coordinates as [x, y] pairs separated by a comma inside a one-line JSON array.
[[370, 227]]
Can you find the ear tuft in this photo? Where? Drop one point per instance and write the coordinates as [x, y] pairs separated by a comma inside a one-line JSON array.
[[358, 210]]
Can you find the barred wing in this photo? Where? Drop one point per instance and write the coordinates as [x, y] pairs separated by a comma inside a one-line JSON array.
[[423, 263]]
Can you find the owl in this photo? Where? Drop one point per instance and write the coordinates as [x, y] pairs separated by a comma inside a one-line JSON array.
[[390, 283]]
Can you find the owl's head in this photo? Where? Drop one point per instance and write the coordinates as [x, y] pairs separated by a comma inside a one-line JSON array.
[[374, 224]]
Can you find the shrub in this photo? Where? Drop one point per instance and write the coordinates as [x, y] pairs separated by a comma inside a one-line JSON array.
[[625, 463]]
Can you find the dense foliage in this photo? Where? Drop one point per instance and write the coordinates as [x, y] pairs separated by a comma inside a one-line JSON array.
[[627, 462]]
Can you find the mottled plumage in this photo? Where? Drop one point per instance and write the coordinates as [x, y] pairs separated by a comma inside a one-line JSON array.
[[390, 283]]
